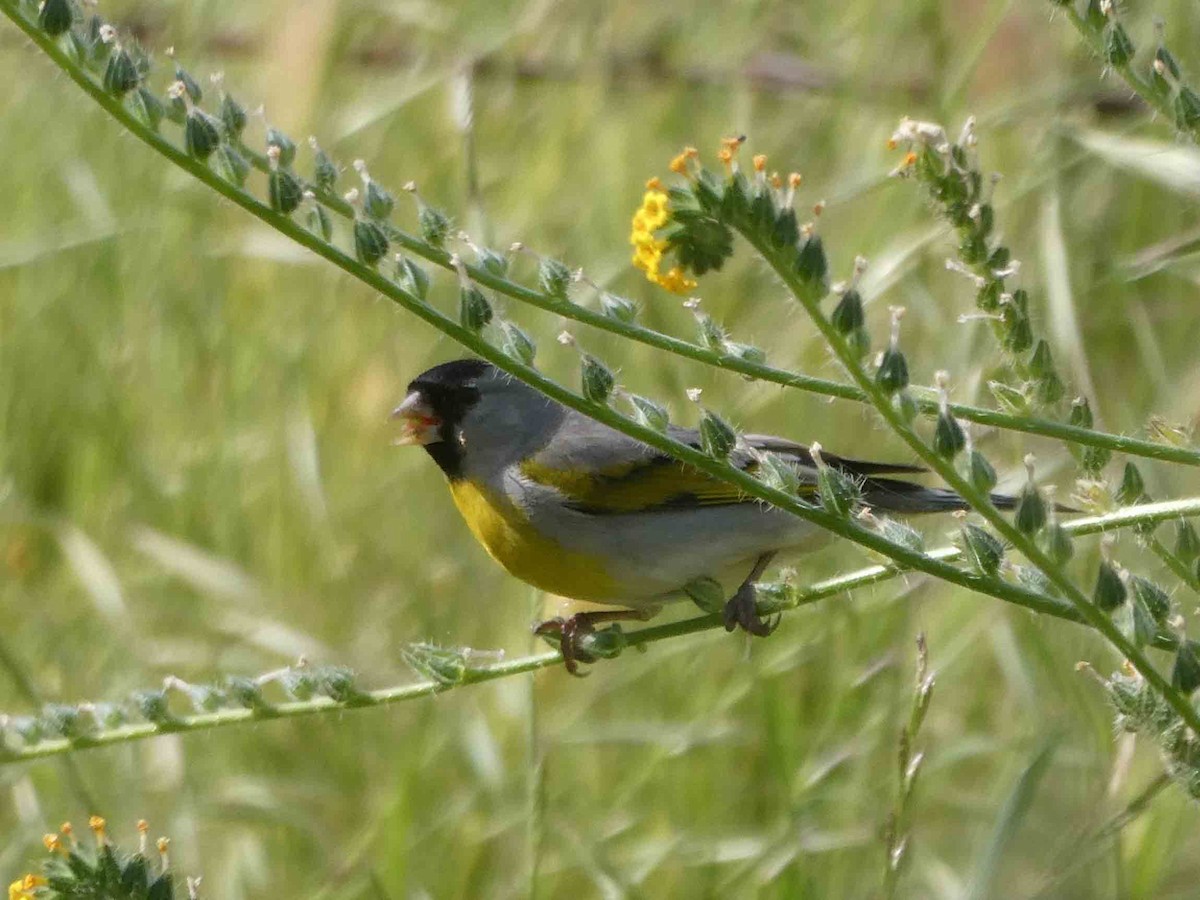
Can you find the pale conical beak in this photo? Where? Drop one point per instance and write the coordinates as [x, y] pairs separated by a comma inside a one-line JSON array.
[[421, 424]]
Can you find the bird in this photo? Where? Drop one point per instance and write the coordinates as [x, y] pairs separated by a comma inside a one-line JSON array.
[[579, 509]]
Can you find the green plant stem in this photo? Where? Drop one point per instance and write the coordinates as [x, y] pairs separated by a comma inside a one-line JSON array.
[[926, 400], [1136, 82], [979, 501], [1130, 516]]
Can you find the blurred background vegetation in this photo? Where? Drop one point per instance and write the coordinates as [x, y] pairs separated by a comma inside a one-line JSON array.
[[196, 477]]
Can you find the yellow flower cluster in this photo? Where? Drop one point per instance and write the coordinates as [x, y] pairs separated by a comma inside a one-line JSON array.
[[647, 249], [23, 888]]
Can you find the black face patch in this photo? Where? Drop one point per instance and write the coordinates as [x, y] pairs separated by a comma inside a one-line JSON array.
[[450, 390]]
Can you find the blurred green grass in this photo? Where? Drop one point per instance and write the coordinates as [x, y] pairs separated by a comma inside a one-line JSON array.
[[196, 476]]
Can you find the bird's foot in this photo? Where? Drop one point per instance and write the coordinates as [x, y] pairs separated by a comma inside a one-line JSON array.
[[578, 640], [741, 611], [569, 632]]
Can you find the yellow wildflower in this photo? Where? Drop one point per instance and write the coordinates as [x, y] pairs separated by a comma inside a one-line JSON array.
[[648, 250], [654, 206], [678, 165], [760, 162], [23, 888], [654, 183], [676, 282]]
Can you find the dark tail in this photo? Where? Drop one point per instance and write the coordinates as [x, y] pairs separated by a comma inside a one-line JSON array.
[[905, 497]]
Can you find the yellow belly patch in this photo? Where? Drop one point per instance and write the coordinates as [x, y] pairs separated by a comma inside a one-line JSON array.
[[510, 540]]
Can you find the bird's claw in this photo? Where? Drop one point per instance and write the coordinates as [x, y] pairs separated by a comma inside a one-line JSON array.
[[570, 632], [741, 610]]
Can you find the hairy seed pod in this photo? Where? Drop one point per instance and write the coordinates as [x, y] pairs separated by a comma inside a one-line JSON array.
[[903, 534], [1118, 48], [201, 134], [286, 146], [434, 224], [980, 472], [56, 17], [1156, 600], [1187, 544], [712, 335], [325, 171], [649, 413], [620, 308], [747, 352], [148, 108], [284, 191], [517, 344], [1041, 362], [1031, 510], [983, 549], [717, 437], [231, 165], [554, 278], [370, 243], [892, 375], [319, 222], [848, 315], [120, 75], [786, 230], [840, 492], [412, 277], [377, 202], [596, 379], [1081, 413], [233, 116], [1185, 675], [1055, 541], [474, 311], [811, 264], [1110, 591], [1187, 109], [776, 472], [1132, 488], [948, 436], [905, 406]]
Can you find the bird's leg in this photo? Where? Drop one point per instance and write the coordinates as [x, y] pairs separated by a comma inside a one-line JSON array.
[[572, 630], [741, 609]]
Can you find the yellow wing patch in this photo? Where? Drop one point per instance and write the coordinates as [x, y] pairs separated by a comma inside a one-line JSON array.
[[643, 485]]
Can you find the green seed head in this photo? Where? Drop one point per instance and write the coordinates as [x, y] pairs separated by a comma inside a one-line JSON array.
[[983, 550], [597, 379], [474, 311]]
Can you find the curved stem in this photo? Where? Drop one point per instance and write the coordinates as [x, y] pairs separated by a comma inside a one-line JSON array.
[[804, 596]]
